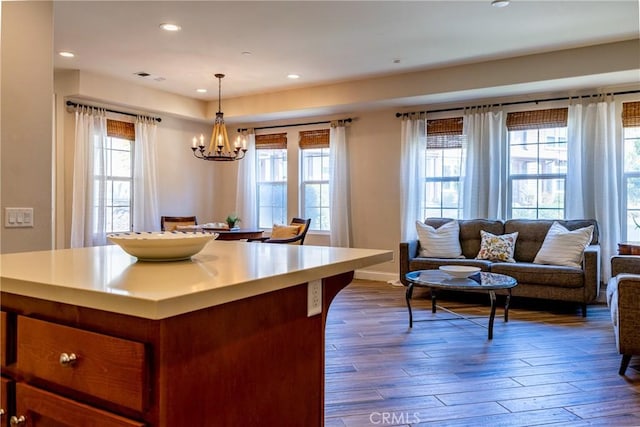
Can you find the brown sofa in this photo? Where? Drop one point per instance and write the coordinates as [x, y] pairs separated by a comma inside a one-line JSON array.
[[623, 297], [580, 285]]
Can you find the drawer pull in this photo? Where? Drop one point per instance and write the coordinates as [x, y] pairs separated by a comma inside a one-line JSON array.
[[1, 412], [68, 359], [16, 421]]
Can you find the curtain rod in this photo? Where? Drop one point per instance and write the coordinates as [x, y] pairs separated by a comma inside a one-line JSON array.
[[534, 101], [74, 104], [347, 120]]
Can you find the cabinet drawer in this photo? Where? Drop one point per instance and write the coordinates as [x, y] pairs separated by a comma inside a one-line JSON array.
[[41, 408], [105, 367]]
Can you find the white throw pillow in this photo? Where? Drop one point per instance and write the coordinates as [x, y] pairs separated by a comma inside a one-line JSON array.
[[564, 247], [443, 242]]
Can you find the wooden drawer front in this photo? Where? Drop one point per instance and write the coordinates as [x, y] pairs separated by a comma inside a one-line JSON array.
[[106, 367], [44, 409], [6, 398]]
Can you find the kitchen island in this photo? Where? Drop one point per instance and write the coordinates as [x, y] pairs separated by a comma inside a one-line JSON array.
[[92, 337]]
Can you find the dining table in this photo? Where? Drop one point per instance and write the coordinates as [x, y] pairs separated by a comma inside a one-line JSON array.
[[235, 234]]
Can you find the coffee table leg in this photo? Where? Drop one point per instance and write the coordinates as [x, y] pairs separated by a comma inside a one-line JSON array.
[[492, 298], [408, 295], [506, 306], [433, 300]]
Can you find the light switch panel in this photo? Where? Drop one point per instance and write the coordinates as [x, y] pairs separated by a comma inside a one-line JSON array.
[[18, 217]]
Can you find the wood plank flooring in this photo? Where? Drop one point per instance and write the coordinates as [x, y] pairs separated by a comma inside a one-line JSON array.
[[548, 366]]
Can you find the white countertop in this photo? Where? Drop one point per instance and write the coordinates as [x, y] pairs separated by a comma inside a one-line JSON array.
[[107, 278]]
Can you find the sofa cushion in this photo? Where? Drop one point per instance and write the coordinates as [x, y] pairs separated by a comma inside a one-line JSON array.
[[470, 232], [538, 274], [564, 247], [435, 263], [497, 248], [441, 242], [532, 232]]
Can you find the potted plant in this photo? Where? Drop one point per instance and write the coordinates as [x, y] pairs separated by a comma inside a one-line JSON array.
[[232, 220]]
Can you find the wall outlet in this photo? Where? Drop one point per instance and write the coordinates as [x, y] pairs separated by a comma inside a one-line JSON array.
[[314, 298]]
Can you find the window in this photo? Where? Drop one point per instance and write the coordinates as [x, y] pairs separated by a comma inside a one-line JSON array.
[[118, 161], [271, 179], [314, 183], [631, 171], [442, 169], [537, 163]]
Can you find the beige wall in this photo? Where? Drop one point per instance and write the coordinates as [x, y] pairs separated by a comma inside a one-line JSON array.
[[26, 119], [189, 186]]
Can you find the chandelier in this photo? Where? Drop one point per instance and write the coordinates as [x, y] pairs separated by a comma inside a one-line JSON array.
[[219, 148]]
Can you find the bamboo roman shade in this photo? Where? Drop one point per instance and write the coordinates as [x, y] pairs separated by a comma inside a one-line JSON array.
[[631, 114], [537, 119], [272, 141], [118, 129], [314, 139], [445, 133]]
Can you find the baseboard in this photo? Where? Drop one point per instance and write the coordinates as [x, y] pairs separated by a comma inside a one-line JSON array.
[[376, 275]]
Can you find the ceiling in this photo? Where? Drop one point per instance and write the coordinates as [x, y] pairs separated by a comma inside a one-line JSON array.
[[322, 41]]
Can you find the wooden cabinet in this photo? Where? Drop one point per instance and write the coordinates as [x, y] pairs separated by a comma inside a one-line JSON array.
[[253, 361], [97, 368]]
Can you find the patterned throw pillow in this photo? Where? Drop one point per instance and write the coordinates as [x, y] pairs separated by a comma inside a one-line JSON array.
[[443, 242], [497, 248]]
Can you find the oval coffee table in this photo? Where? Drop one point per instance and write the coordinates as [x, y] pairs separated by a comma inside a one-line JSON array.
[[436, 279]]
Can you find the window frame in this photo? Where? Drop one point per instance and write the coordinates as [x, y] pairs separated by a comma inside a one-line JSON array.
[[324, 156], [626, 176], [111, 179], [272, 183]]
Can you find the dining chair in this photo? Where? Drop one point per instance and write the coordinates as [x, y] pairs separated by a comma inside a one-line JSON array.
[[293, 234], [170, 223]]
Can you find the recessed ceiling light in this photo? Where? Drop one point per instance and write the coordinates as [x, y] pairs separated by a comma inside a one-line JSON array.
[[201, 90], [293, 76], [66, 54], [246, 53], [500, 3], [170, 27]]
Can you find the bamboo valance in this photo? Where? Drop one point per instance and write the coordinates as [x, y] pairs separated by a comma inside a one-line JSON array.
[[449, 126], [271, 141], [537, 119], [631, 114], [118, 129], [314, 139]]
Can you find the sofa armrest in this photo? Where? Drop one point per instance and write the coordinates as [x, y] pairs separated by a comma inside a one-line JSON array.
[[625, 264], [591, 268], [408, 251]]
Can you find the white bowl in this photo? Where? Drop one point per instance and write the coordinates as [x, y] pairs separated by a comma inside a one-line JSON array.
[[459, 271], [162, 246]]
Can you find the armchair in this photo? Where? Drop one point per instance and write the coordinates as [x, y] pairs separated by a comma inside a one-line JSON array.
[[170, 223], [287, 234], [623, 298]]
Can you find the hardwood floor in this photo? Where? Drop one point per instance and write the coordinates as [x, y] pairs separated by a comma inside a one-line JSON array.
[[547, 366]]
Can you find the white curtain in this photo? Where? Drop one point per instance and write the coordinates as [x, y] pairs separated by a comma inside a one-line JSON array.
[[413, 146], [88, 226], [592, 146], [483, 179], [246, 198], [146, 214], [339, 186]]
